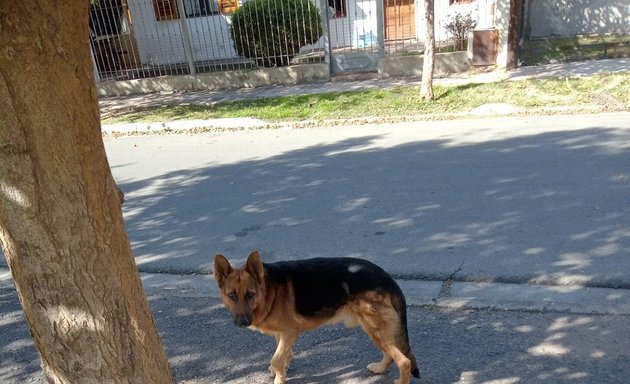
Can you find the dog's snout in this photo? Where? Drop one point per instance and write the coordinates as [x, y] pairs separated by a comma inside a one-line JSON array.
[[243, 320]]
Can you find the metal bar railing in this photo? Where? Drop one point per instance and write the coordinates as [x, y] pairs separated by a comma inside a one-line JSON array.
[[147, 38]]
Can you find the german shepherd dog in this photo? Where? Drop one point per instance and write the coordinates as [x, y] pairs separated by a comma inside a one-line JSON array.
[[284, 299]]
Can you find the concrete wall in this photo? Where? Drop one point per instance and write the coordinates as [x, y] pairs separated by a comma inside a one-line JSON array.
[[397, 66], [562, 18], [502, 24], [411, 66], [297, 74]]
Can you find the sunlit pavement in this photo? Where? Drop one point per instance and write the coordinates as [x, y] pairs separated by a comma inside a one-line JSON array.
[[509, 237]]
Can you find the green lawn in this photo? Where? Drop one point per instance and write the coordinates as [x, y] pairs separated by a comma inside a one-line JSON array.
[[402, 101]]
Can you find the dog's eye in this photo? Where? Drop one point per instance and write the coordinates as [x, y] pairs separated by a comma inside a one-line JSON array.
[[249, 295], [233, 296]]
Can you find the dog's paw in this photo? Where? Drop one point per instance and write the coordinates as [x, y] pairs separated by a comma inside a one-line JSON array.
[[376, 368], [277, 378]]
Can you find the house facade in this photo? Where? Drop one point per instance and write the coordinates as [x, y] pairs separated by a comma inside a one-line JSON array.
[[147, 38], [564, 18], [163, 36]]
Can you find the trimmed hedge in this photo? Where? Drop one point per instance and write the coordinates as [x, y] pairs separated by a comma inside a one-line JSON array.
[[271, 32]]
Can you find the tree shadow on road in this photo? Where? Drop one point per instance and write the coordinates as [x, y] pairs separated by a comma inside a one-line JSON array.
[[451, 347], [19, 362], [535, 208], [544, 208], [466, 346]]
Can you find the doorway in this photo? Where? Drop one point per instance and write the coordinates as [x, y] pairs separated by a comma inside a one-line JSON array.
[[400, 19]]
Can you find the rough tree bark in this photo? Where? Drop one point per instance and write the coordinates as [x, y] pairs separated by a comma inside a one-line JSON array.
[[516, 15], [61, 225], [426, 89]]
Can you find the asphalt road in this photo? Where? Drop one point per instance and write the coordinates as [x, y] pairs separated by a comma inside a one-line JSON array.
[[510, 200], [459, 347], [527, 199]]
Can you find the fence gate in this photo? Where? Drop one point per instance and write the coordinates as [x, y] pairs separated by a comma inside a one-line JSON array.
[[354, 34]]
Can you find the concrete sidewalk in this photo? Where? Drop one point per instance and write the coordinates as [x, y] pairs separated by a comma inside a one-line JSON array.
[[451, 295], [585, 68]]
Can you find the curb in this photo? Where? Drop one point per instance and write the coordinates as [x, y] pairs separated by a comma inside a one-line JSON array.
[[434, 294], [446, 295], [183, 126], [249, 123]]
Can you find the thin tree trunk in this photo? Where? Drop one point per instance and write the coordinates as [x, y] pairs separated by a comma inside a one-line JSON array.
[[429, 52], [516, 15], [61, 225]]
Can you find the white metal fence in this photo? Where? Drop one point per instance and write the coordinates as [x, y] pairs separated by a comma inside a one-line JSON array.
[[146, 38]]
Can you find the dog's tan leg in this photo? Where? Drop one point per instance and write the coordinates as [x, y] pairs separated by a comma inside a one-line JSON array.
[[391, 353], [381, 367], [402, 361], [282, 356], [270, 368], [380, 320]]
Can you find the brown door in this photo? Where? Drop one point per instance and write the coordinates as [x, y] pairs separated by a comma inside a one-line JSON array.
[[400, 19]]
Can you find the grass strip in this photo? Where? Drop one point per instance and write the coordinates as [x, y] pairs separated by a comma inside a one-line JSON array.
[[400, 101]]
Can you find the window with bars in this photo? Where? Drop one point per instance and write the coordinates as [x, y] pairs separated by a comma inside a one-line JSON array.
[[107, 18], [228, 6], [167, 9], [339, 7], [200, 8]]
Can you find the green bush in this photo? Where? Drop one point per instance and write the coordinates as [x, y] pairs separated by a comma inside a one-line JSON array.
[[271, 32]]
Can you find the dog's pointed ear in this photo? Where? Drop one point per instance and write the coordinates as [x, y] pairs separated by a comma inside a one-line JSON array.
[[255, 266], [222, 269]]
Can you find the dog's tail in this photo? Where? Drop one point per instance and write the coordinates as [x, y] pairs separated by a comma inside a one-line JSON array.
[[401, 307], [415, 372]]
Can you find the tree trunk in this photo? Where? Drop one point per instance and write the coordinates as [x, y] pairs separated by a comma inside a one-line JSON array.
[[61, 225], [516, 15], [429, 52]]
